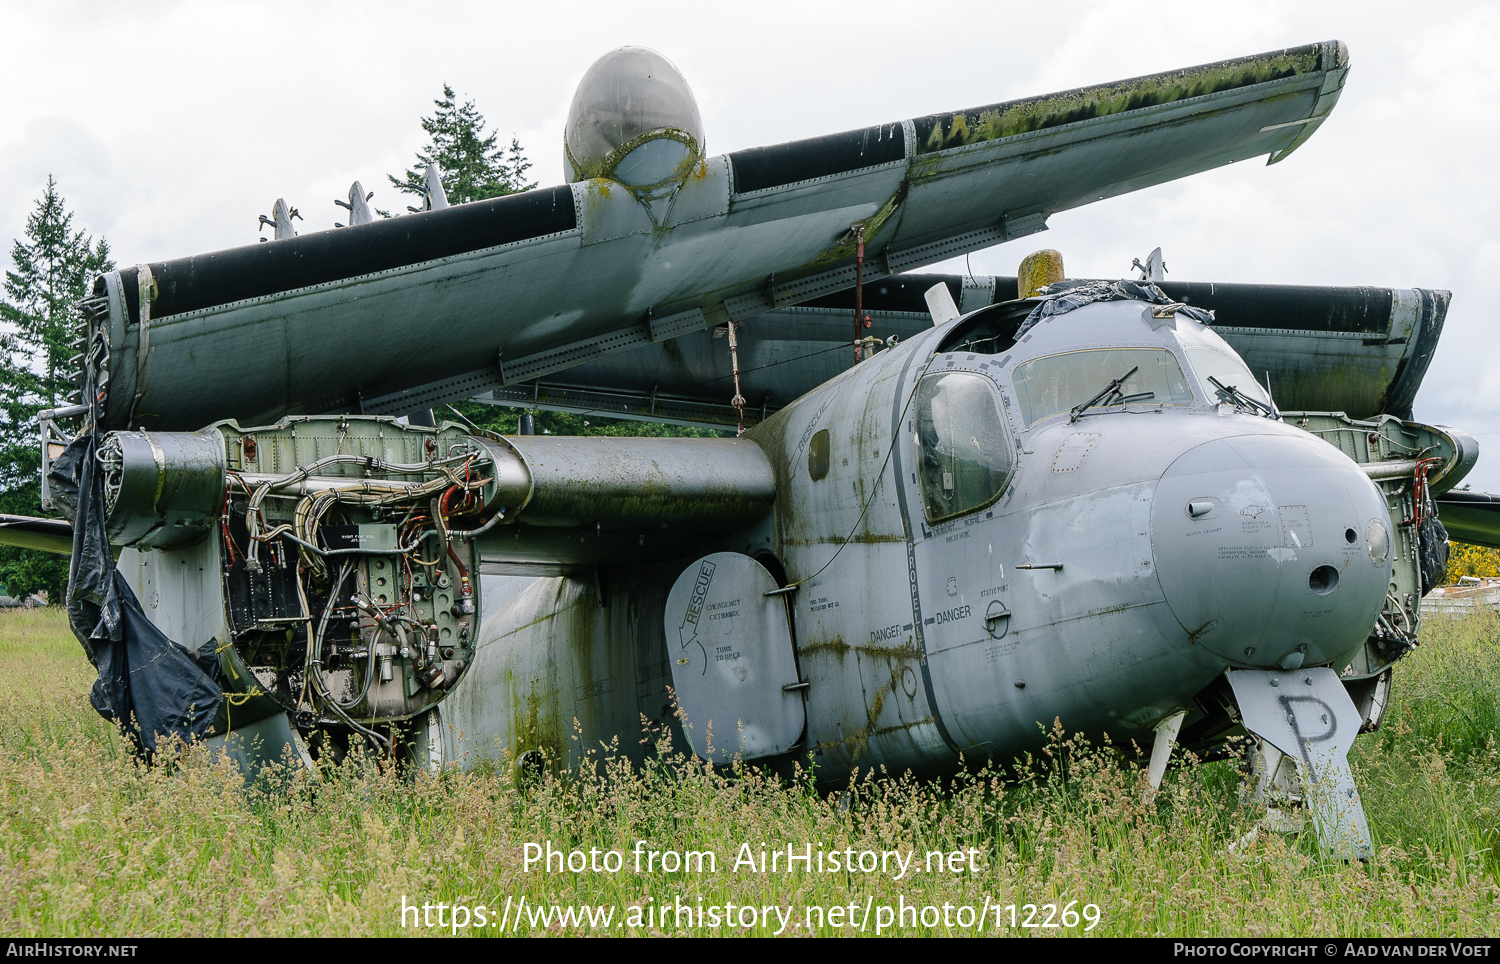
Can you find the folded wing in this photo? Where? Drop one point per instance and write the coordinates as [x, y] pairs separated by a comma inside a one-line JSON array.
[[400, 314], [1358, 350]]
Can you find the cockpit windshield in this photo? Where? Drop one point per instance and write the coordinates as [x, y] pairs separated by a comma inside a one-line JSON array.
[[1228, 371], [1058, 384]]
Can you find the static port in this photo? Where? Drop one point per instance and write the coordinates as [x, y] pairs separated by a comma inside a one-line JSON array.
[[1323, 580]]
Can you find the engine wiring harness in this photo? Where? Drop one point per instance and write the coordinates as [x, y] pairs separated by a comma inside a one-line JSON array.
[[352, 578]]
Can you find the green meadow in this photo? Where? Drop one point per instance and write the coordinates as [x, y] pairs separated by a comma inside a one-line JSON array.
[[94, 844]]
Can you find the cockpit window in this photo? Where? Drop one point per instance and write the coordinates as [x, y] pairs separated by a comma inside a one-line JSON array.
[[1228, 370], [964, 456], [1056, 384]]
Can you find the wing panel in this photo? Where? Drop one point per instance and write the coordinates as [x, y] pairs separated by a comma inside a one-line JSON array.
[[867, 186], [28, 532], [817, 157], [274, 355], [1472, 517], [318, 258], [1362, 351], [382, 310], [1063, 168], [939, 132]]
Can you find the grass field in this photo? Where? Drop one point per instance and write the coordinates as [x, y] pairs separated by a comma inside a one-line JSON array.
[[93, 844]]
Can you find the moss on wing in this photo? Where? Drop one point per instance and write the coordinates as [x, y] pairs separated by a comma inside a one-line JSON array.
[[847, 243], [1085, 103]]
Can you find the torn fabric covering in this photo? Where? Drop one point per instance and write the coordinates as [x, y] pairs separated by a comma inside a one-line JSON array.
[[1432, 545], [63, 475], [93, 609], [149, 686], [1062, 297]]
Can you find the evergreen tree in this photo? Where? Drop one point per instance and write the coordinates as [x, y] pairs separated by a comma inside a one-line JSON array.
[[39, 321], [474, 166]]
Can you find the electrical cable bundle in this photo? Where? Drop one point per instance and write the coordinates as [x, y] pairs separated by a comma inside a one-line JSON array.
[[447, 489]]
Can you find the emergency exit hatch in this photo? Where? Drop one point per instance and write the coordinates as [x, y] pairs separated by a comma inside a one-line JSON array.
[[733, 665]]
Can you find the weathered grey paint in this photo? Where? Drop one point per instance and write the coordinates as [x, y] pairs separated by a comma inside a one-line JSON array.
[[1308, 715], [734, 672], [1063, 600]]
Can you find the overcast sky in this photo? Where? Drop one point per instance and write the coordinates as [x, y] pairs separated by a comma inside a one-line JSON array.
[[170, 126]]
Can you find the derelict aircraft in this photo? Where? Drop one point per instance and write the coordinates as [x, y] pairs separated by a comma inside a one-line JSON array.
[[958, 509]]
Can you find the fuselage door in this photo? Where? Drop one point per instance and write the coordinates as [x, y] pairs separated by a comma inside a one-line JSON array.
[[730, 648], [964, 461]]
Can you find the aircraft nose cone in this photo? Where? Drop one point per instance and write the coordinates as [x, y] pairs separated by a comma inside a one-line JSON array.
[[1272, 550]]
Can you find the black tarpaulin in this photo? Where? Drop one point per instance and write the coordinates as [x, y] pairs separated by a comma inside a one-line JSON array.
[[93, 609], [1432, 547], [149, 686]]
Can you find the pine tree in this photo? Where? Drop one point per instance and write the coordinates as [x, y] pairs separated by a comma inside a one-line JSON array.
[[474, 166], [39, 321]]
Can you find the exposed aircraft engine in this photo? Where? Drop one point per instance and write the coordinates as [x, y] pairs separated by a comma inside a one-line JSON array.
[[348, 549], [633, 119], [162, 490]]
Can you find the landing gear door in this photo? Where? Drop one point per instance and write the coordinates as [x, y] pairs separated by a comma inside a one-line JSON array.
[[733, 667], [1307, 715]]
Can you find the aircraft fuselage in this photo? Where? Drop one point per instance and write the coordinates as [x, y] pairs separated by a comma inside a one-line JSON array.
[[973, 561]]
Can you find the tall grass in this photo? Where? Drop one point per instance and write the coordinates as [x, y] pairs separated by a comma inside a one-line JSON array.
[[91, 843]]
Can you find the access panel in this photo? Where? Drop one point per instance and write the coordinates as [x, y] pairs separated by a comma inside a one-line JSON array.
[[732, 661]]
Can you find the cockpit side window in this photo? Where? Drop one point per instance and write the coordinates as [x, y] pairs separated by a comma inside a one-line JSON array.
[[963, 452]]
